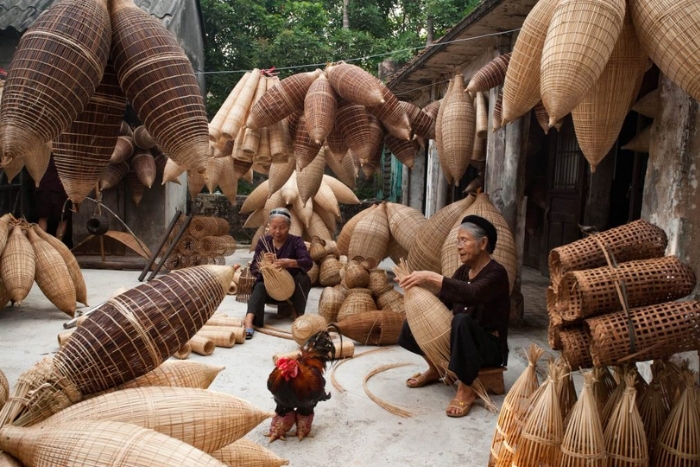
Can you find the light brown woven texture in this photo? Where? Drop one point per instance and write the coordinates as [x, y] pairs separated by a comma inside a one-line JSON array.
[[386, 298], [281, 100], [171, 172], [583, 444], [356, 301], [186, 374], [171, 104], [219, 337], [521, 87], [625, 442], [422, 124], [71, 263], [330, 302], [52, 275], [641, 142], [236, 116], [134, 187], [122, 150], [566, 390], [575, 343], [183, 352], [248, 453], [636, 240], [278, 282], [144, 166], [373, 327], [491, 75], [317, 249], [505, 252], [457, 129], [305, 150], [280, 172], [370, 236], [224, 245], [654, 407], [603, 386], [353, 124], [659, 330], [356, 275], [599, 116], [345, 235], [392, 115], [497, 116], [202, 345], [649, 105], [482, 120], [325, 204], [592, 291], [306, 326], [580, 40], [113, 174], [378, 279], [37, 161], [7, 460], [404, 151], [342, 193], [354, 84], [216, 123], [668, 32], [256, 199], [678, 444], [430, 236], [18, 265], [203, 226], [82, 151], [214, 166], [38, 102], [330, 271], [4, 388], [309, 179], [206, 420], [320, 105], [432, 110], [143, 139], [404, 223], [251, 136], [93, 444], [511, 415]]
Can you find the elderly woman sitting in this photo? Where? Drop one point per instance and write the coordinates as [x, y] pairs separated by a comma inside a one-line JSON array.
[[289, 252], [478, 294]]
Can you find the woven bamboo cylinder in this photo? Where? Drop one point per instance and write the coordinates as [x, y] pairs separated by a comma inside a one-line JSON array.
[[599, 116], [404, 151], [583, 443], [309, 179], [62, 338], [135, 187], [216, 124], [353, 124], [143, 139], [218, 245], [649, 105], [4, 389], [281, 100], [636, 240], [92, 444], [370, 236], [236, 116], [641, 142], [246, 452], [183, 353], [52, 275], [202, 345], [625, 442], [575, 343], [387, 295], [18, 265], [354, 84], [71, 263], [252, 136], [320, 104], [422, 124], [678, 444], [280, 141], [357, 301], [82, 151], [306, 326], [482, 117], [172, 172], [72, 39], [392, 115], [226, 339], [458, 125], [521, 88], [330, 302], [345, 235], [373, 327], [171, 107], [280, 173], [202, 226], [404, 223], [144, 166], [214, 167], [4, 230], [326, 205], [113, 174], [566, 391], [305, 150], [580, 40], [491, 75], [185, 374], [225, 320], [592, 291], [660, 330]]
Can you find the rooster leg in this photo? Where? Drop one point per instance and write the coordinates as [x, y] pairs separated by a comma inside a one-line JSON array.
[[305, 417], [281, 424]]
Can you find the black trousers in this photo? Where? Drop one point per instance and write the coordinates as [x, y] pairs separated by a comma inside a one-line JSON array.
[[471, 348], [259, 297]]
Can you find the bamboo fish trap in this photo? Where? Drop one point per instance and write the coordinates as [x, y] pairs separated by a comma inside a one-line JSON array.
[[306, 326], [457, 131], [182, 374], [281, 100], [373, 327], [71, 263], [4, 389], [583, 444], [625, 442], [246, 452], [18, 265], [654, 407], [370, 236], [52, 275], [354, 84], [278, 282], [491, 75], [678, 444]]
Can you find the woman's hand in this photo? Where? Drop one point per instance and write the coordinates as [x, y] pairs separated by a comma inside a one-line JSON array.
[[286, 263], [425, 278]]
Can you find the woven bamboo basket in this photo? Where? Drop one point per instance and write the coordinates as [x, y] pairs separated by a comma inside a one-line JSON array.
[[305, 150], [373, 327], [202, 345], [491, 75], [202, 226], [143, 139], [580, 40], [172, 171], [135, 187], [521, 88], [376, 142], [280, 173], [604, 386], [184, 352], [392, 115], [171, 106], [235, 118], [204, 419], [4, 389], [356, 276], [113, 174], [357, 301], [246, 452], [370, 236], [388, 296], [335, 143], [320, 104], [575, 343], [38, 102], [256, 199], [214, 167], [314, 273], [583, 444], [342, 193], [318, 228], [449, 261], [306, 326], [4, 230], [71, 263], [668, 33], [279, 284], [354, 84], [636, 240], [317, 249], [592, 291], [641, 142], [13, 167], [187, 374], [252, 136], [92, 444], [37, 161], [404, 223], [432, 110], [649, 105], [220, 337], [144, 166], [481, 120], [343, 168], [218, 246], [280, 141], [458, 126], [346, 233], [216, 123], [599, 116], [421, 123], [195, 183], [52, 275], [625, 441], [18, 265], [281, 100], [378, 279], [654, 406], [309, 179], [511, 416], [330, 301], [326, 205], [83, 150], [678, 444], [404, 151], [566, 390], [353, 124], [431, 235], [660, 330]]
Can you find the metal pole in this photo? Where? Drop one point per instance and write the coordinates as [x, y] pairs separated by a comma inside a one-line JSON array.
[[170, 249], [157, 251]]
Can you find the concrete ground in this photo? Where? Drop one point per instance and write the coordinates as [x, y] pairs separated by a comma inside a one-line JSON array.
[[349, 429]]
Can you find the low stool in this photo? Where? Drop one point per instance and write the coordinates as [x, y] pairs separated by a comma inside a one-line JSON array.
[[492, 379]]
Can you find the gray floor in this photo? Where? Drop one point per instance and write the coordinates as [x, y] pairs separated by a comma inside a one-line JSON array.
[[350, 429]]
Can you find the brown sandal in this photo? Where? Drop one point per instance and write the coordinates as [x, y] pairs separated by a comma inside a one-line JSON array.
[[461, 406], [420, 382]]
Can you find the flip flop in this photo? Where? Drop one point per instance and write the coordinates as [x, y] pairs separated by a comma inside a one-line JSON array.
[[420, 382], [461, 406], [249, 333]]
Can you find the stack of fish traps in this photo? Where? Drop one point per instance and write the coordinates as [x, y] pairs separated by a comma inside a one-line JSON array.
[[613, 298], [206, 241]]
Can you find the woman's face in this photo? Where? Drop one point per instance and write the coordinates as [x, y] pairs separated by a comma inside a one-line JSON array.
[[279, 229], [467, 246]]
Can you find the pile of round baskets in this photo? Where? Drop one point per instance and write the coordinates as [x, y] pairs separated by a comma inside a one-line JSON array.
[[206, 241]]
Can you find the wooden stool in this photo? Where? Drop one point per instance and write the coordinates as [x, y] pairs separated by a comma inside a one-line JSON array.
[[492, 379]]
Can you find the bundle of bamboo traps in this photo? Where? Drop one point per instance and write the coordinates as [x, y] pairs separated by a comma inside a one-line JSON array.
[[206, 241], [29, 254], [612, 298]]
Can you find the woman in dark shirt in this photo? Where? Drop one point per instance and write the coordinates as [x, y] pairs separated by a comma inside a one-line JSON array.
[[290, 253], [479, 296]]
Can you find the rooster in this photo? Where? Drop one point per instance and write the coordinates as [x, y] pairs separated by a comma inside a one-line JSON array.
[[297, 385]]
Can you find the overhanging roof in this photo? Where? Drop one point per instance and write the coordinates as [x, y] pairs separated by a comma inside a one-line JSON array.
[[488, 18]]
